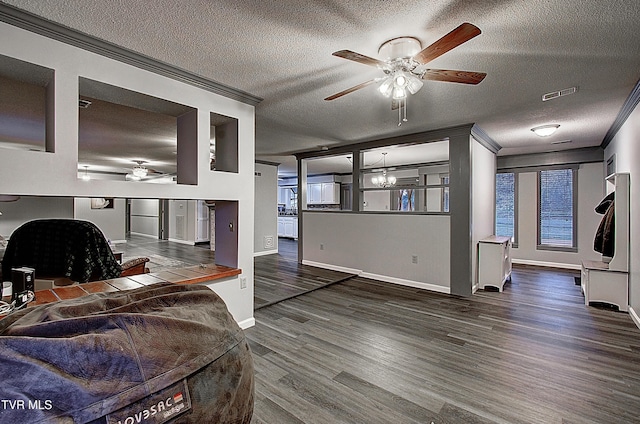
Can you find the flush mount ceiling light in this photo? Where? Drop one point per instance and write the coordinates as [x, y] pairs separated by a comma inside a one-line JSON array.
[[545, 130], [139, 170]]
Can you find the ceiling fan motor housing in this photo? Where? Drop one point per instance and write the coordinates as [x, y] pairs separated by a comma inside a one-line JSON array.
[[398, 48]]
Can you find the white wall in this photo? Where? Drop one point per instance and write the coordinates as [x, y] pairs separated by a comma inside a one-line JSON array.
[[626, 148], [56, 174], [266, 209], [590, 192], [381, 246], [483, 199], [110, 221], [28, 208], [145, 217]]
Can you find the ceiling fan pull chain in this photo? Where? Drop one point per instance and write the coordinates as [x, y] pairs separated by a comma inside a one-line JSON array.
[[400, 112], [405, 108]]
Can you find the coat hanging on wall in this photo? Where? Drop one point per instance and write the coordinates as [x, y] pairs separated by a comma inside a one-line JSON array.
[[605, 235]]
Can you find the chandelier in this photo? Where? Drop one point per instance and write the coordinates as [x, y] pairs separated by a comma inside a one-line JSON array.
[[384, 180]]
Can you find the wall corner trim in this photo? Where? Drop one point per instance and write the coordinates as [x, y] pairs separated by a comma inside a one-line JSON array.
[[634, 316], [41, 26]]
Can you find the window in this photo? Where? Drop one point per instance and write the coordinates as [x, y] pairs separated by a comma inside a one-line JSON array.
[[557, 197], [506, 205]]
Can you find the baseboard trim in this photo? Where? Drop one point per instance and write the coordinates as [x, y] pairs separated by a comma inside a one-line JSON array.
[[145, 235], [265, 253], [383, 278], [407, 283], [249, 322], [190, 243], [118, 241], [546, 264], [332, 267], [634, 316]]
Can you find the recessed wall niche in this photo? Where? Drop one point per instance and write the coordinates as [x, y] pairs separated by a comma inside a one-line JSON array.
[[126, 135], [223, 143], [26, 105]]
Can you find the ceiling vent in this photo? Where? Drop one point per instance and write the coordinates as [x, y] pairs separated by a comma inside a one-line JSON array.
[[561, 142], [559, 93], [84, 104]]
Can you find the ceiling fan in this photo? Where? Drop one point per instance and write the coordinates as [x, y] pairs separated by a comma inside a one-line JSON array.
[[140, 171], [404, 63]]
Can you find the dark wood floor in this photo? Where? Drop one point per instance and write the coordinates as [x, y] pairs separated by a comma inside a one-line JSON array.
[[362, 351], [278, 277], [164, 254]]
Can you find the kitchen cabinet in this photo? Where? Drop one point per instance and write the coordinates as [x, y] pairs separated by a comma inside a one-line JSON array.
[[314, 194], [323, 194], [281, 227], [288, 226]]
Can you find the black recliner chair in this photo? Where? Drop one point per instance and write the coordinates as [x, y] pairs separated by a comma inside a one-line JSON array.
[[69, 249]]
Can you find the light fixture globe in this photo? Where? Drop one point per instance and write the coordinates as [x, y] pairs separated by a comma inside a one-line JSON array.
[[545, 130]]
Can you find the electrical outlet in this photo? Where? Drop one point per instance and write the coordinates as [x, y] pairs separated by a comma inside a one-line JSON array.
[[243, 282], [414, 259]]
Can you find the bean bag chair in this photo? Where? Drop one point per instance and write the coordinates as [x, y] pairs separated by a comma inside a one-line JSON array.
[[160, 353]]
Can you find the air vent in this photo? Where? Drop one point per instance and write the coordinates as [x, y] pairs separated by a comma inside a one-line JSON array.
[[84, 104], [559, 93], [561, 142]]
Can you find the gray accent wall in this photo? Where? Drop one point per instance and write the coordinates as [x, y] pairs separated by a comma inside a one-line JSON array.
[[381, 246], [460, 148], [266, 208]]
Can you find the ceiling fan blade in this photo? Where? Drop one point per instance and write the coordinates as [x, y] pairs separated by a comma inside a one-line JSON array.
[[360, 58], [351, 90], [447, 75], [460, 35]]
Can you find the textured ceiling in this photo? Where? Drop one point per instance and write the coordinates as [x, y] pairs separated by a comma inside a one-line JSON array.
[[281, 51]]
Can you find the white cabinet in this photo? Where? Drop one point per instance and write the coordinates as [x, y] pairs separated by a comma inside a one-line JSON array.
[[281, 227], [494, 261], [323, 194], [601, 284], [288, 226], [330, 193], [314, 194]]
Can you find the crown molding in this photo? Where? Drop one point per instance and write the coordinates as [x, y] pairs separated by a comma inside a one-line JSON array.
[[629, 105], [38, 25], [484, 139]]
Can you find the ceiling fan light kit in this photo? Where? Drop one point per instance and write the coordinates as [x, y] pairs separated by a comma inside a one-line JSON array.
[[140, 170], [403, 62]]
